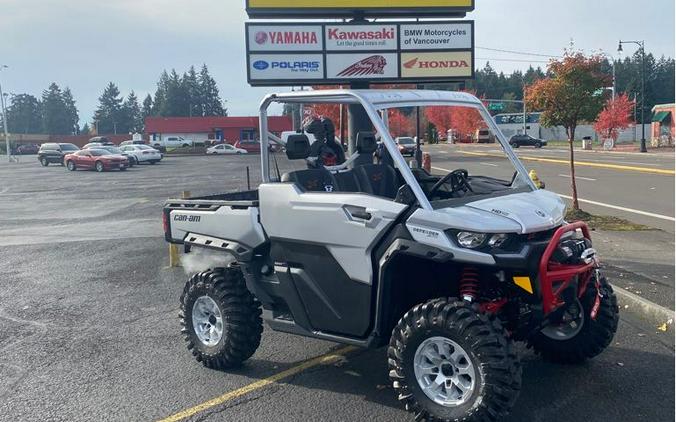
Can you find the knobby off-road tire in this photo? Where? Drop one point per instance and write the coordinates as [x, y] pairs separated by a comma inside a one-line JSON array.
[[497, 370], [239, 311], [593, 337]]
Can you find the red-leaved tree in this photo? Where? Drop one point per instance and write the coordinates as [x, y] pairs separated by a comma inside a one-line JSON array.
[[441, 117], [615, 116], [400, 124], [464, 120]]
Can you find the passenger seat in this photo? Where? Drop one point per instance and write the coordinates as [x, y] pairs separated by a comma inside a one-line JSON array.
[[309, 180]]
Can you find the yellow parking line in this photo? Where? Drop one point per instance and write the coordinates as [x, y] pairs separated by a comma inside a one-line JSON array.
[[320, 360], [581, 163]]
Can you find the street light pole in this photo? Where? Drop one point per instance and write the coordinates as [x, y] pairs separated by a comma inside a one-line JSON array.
[[4, 119], [641, 44]]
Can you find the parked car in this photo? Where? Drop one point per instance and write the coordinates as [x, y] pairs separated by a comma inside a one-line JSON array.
[[26, 149], [114, 151], [517, 141], [132, 142], [225, 149], [406, 145], [142, 153], [96, 159], [172, 142], [249, 146], [53, 153], [101, 140]]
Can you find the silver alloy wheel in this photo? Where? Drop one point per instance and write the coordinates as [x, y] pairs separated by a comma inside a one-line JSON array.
[[444, 371], [207, 321], [571, 324]]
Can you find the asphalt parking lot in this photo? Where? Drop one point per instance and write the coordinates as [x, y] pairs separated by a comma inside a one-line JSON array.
[[89, 328]]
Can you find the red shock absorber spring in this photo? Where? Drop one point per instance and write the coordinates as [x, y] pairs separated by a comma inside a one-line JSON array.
[[469, 283]]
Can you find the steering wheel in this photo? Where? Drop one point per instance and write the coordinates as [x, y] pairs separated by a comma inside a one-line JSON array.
[[459, 180]]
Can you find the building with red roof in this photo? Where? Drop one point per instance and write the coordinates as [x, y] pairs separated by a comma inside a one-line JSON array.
[[214, 128]]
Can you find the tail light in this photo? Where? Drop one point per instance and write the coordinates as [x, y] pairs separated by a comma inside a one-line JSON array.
[[165, 222]]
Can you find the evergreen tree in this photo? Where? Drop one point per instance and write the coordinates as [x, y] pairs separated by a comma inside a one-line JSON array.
[[132, 119], [191, 86], [71, 111], [160, 95], [210, 97], [109, 113], [24, 114], [55, 117], [147, 109], [176, 100], [85, 129]]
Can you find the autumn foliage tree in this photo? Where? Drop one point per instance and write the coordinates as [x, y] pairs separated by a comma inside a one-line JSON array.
[[464, 120], [400, 124], [614, 117], [569, 95]]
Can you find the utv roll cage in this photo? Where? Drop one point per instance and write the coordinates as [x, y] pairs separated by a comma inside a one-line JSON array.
[[375, 101]]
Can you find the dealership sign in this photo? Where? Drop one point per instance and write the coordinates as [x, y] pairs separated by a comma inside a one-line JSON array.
[[289, 54], [350, 8]]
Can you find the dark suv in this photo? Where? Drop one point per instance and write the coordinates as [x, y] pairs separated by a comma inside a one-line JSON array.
[[517, 141], [54, 153]]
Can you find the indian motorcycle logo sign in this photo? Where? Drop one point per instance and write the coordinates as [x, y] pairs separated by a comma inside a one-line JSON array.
[[374, 65]]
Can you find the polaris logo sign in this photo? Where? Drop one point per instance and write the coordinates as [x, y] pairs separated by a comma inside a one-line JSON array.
[[314, 53], [360, 37], [286, 67]]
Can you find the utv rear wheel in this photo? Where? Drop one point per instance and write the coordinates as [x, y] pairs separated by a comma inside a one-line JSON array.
[[579, 339], [220, 318], [449, 362]]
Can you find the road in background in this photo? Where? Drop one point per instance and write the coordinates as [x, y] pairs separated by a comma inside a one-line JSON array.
[[89, 327], [639, 188]]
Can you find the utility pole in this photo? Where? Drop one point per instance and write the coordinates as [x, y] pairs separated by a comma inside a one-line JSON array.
[[641, 45]]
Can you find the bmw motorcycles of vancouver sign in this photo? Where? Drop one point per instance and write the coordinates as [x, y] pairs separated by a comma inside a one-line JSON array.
[[318, 53]]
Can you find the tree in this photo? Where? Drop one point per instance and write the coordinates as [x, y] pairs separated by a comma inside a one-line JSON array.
[[24, 114], [615, 116], [56, 119], [147, 109], [210, 99], [441, 117], [132, 118], [73, 119], [109, 113], [85, 129], [191, 86], [466, 121], [569, 95], [176, 97], [160, 94], [399, 123]]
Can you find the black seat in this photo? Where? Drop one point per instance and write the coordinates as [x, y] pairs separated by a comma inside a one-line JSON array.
[[309, 180], [378, 179], [312, 180], [347, 181]]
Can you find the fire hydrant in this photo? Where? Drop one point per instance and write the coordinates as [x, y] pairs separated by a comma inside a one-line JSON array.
[[427, 162], [534, 177]]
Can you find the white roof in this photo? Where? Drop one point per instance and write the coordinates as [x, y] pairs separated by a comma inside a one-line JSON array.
[[379, 98]]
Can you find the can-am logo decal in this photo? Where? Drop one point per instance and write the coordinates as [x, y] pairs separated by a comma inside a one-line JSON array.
[[286, 37], [373, 65], [261, 65], [416, 63], [383, 34]]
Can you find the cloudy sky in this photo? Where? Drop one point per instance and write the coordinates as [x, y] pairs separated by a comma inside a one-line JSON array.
[[84, 44]]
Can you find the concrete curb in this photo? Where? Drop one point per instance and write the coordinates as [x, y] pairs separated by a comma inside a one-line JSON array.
[[653, 313]]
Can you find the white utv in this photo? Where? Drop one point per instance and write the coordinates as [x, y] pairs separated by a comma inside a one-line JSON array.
[[446, 270]]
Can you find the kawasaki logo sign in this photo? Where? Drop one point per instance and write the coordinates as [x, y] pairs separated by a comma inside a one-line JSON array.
[[319, 52]]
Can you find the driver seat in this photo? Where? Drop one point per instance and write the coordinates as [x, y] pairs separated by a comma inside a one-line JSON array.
[[375, 179]]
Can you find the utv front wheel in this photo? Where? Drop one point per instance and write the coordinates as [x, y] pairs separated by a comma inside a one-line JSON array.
[[579, 337], [220, 318], [449, 362]]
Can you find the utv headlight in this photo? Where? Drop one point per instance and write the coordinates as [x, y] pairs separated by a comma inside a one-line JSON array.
[[497, 240], [470, 240]]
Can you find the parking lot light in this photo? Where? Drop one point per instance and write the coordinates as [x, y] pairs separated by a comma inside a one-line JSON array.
[[641, 45], [4, 119]]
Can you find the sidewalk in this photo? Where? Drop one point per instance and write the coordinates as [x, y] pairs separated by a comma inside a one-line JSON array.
[[641, 262]]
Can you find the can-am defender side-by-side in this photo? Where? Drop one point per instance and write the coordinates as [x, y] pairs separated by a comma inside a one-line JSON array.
[[446, 270]]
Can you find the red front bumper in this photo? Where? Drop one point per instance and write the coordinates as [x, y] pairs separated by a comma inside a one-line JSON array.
[[555, 277]]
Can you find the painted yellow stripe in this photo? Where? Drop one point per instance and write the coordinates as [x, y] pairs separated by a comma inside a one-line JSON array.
[[581, 163], [412, 4], [230, 395]]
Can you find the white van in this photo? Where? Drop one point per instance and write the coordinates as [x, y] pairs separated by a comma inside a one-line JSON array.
[[172, 142]]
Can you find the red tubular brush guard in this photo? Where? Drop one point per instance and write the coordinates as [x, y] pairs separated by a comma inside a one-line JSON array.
[[553, 272]]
